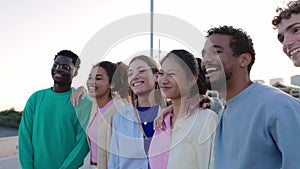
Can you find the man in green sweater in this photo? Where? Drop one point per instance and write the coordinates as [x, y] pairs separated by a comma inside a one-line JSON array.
[[50, 134]]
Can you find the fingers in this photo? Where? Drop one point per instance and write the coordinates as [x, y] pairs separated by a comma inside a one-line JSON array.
[[72, 100], [159, 123], [78, 94], [205, 102], [159, 120], [205, 105]]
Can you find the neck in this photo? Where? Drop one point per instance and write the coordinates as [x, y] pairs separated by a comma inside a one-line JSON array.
[[61, 88], [143, 101], [147, 100], [178, 107], [101, 102], [235, 88]]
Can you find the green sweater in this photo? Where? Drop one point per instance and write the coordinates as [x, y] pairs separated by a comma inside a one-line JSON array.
[[50, 134]]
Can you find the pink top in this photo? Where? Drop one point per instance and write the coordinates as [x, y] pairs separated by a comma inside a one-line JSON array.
[[160, 145], [92, 131]]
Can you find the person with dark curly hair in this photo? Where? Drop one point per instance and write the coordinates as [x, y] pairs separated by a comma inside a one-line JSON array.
[[260, 125], [288, 24], [50, 134]]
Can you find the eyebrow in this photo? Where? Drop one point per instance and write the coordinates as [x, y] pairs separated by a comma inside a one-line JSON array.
[[213, 46], [286, 29]]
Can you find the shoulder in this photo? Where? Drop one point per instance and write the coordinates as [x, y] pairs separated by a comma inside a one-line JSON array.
[[209, 114], [39, 93], [125, 112], [205, 125]]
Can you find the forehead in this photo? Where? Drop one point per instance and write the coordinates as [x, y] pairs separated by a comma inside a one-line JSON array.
[[138, 64], [98, 70], [285, 24], [217, 40], [63, 60], [171, 63]]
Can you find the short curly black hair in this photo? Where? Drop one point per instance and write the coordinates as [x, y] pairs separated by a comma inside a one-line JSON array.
[[68, 53], [293, 7], [240, 42]]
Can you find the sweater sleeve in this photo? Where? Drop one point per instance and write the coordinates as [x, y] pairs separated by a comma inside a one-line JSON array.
[[284, 127], [81, 148], [113, 161], [25, 135]]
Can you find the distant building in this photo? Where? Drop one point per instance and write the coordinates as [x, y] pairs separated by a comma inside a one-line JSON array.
[[274, 80], [295, 80], [289, 89], [259, 81]]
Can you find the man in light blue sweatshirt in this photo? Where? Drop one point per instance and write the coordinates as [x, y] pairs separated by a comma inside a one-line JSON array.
[[260, 125]]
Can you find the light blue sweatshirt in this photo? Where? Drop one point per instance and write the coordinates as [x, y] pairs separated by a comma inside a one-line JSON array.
[[127, 142], [259, 129]]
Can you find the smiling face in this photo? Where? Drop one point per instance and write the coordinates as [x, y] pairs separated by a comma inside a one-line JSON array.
[[218, 60], [63, 71], [173, 80], [289, 36], [141, 79], [98, 83]]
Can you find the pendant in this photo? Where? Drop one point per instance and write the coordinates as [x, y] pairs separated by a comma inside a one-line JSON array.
[[145, 123]]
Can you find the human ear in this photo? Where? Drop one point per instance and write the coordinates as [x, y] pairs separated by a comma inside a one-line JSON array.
[[244, 59], [75, 72]]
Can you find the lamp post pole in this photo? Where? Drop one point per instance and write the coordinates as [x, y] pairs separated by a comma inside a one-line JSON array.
[[151, 28]]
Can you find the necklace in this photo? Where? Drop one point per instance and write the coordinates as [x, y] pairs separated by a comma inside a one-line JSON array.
[[147, 114]]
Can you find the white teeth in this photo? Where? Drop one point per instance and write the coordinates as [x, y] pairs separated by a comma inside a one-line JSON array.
[[211, 69], [57, 75], [92, 88], [137, 84], [294, 51]]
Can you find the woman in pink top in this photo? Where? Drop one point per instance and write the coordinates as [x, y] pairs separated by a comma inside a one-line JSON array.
[[188, 138], [107, 85]]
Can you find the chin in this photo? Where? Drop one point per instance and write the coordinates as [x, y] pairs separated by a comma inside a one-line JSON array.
[[297, 64]]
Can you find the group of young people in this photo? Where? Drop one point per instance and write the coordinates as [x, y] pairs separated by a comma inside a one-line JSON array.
[[256, 126]]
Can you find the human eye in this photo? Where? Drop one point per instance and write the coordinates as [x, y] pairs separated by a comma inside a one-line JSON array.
[[280, 38], [129, 74], [99, 77], [90, 77], [296, 29], [217, 51], [54, 65], [171, 74], [142, 70], [65, 67]]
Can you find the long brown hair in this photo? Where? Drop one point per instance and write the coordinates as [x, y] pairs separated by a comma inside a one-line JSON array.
[[155, 68]]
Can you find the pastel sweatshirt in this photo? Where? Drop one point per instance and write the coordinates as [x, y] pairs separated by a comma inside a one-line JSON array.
[[259, 129], [50, 134]]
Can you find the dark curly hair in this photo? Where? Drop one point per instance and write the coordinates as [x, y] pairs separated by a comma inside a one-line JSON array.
[[293, 7], [67, 53], [240, 42]]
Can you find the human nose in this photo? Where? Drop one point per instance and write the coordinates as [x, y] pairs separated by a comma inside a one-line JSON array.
[[135, 75], [162, 78], [206, 58]]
